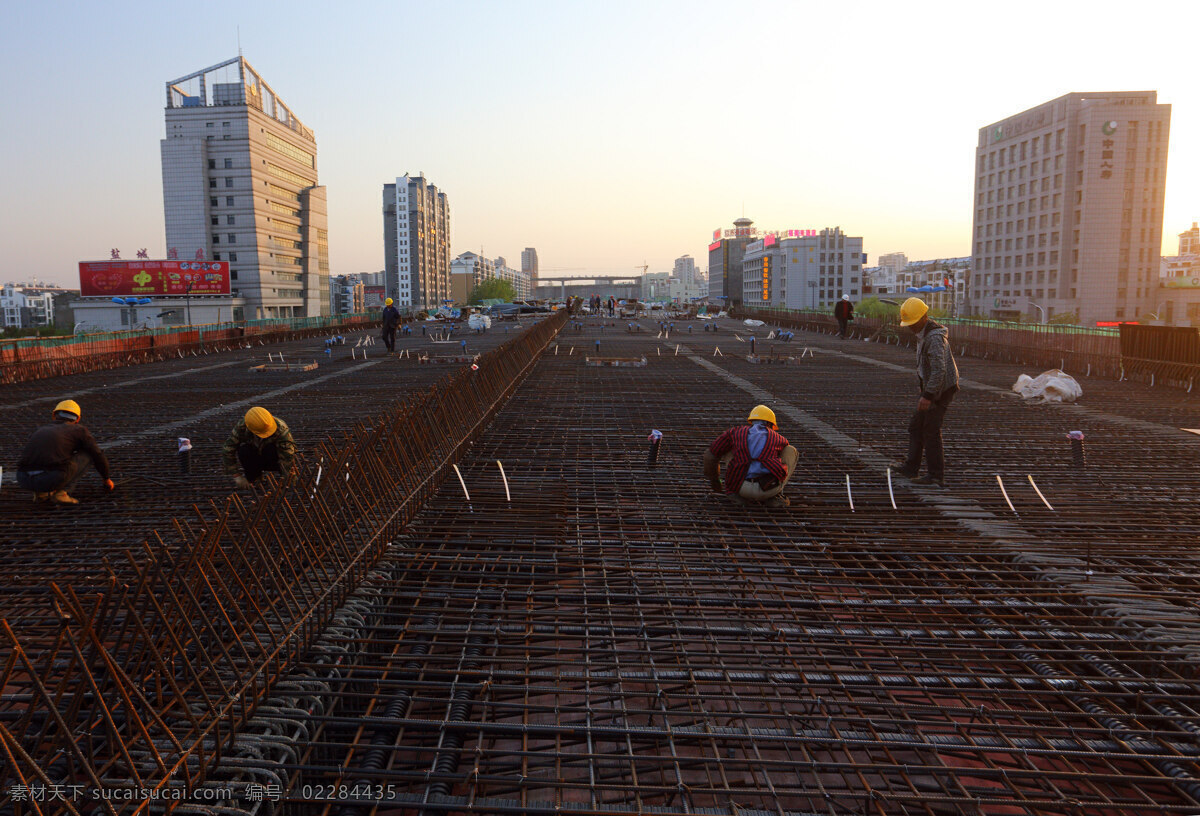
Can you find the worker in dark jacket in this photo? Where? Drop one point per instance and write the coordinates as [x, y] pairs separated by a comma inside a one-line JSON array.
[[391, 319], [844, 313], [57, 455], [938, 376], [258, 443], [759, 461]]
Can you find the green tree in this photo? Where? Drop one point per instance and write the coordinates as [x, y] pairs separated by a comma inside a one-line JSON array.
[[874, 307], [492, 289]]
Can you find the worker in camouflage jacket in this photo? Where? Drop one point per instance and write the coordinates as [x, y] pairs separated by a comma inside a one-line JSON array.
[[938, 377], [258, 443]]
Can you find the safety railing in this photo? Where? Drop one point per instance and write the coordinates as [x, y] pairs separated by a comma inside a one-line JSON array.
[[35, 358]]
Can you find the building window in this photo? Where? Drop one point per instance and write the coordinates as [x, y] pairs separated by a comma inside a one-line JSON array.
[[232, 272], [228, 181], [216, 256], [215, 220], [233, 256], [228, 164], [232, 238], [229, 219], [212, 182], [216, 239], [212, 164], [212, 202], [228, 201]]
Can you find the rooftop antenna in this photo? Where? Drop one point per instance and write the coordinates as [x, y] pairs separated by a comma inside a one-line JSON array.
[[239, 39]]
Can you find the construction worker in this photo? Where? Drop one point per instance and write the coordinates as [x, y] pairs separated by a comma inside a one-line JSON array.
[[938, 375], [57, 455], [258, 443], [844, 313], [759, 461], [391, 319]]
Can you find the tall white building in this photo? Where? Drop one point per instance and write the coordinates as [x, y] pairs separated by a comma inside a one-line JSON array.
[[521, 281], [416, 243], [240, 185], [529, 265], [688, 286]]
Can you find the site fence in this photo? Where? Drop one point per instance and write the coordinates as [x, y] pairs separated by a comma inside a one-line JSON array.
[[129, 696], [1166, 355], [35, 358]]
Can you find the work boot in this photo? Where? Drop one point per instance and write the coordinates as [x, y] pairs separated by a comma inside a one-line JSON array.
[[40, 497], [61, 497], [898, 467], [778, 501], [930, 481]]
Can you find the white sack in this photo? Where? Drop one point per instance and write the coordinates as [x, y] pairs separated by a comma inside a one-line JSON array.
[[1049, 386]]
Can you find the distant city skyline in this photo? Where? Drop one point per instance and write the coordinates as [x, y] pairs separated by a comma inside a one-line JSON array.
[[616, 133]]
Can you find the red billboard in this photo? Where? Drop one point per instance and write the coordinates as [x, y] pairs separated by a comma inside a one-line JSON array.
[[153, 278]]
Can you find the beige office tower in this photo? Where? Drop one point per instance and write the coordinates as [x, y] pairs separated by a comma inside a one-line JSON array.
[[1069, 208], [240, 185]]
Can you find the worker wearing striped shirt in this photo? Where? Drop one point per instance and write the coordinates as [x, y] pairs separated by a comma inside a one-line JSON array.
[[758, 459]]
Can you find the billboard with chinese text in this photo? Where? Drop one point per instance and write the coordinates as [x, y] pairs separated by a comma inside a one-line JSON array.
[[153, 278], [373, 297]]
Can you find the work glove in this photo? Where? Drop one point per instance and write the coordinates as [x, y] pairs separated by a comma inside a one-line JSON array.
[[109, 486], [240, 481]]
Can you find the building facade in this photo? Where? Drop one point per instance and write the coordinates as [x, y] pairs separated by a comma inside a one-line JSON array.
[[688, 286], [467, 271], [416, 243], [802, 272], [240, 184], [28, 307], [1068, 208], [529, 265], [521, 281], [725, 262], [346, 294]]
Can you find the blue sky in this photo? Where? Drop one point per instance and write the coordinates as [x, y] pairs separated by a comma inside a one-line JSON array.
[[606, 134]]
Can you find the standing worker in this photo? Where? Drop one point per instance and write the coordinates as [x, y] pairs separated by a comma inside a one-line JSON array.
[[938, 375], [57, 455], [759, 461], [844, 312], [391, 319], [258, 443]]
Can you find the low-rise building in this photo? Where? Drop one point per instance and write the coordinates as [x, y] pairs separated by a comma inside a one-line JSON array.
[[807, 271], [28, 306]]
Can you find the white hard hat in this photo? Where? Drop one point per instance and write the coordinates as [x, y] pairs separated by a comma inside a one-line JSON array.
[[845, 297]]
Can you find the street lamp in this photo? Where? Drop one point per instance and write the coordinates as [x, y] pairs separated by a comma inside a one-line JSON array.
[[1040, 310], [188, 298], [812, 300]]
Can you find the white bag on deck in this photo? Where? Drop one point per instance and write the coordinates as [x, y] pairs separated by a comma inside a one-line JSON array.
[[1049, 386]]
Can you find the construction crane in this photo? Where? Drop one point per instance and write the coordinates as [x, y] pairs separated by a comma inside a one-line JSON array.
[[645, 267]]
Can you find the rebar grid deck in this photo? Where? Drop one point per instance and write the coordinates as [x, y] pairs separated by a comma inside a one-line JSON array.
[[618, 640]]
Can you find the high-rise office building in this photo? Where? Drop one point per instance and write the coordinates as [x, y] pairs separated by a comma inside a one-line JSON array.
[[416, 243], [725, 262], [529, 265], [1069, 207], [688, 284], [240, 185]]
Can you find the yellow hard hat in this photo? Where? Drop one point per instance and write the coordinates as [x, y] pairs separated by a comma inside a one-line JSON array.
[[70, 406], [912, 310], [260, 422], [762, 412], [387, 302]]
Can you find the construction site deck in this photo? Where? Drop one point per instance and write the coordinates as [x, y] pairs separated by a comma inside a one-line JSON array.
[[477, 594]]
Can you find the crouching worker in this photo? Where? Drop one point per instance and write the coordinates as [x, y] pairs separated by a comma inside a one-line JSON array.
[[258, 443], [758, 460], [57, 455]]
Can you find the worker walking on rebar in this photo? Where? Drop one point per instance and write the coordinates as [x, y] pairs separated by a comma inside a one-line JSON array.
[[57, 455], [758, 460], [938, 376], [844, 313], [391, 319], [258, 443]]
